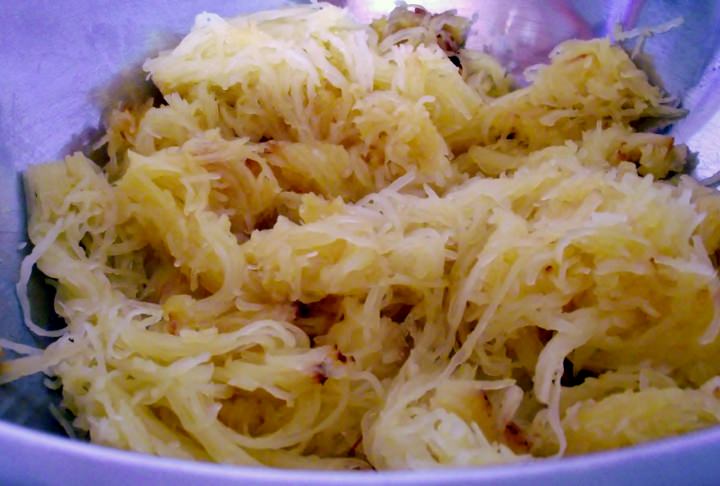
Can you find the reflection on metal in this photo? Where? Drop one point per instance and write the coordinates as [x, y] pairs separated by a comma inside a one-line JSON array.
[[516, 31]]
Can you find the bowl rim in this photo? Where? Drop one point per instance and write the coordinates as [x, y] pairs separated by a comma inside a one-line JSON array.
[[689, 458]]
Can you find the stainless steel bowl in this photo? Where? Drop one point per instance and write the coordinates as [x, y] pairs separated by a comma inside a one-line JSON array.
[[63, 63]]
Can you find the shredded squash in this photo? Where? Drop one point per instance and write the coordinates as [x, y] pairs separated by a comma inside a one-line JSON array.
[[342, 246]]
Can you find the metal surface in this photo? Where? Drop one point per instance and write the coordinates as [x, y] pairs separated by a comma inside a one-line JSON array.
[[63, 63]]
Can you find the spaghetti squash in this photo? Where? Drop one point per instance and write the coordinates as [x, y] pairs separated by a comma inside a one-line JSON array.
[[344, 246]]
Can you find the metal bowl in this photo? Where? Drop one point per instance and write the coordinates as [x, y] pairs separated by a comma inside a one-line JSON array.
[[63, 63]]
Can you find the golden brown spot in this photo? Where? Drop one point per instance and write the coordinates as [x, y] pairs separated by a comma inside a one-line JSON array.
[[353, 448], [544, 335], [302, 310], [569, 306], [485, 398], [271, 147], [516, 438], [578, 58], [397, 312], [628, 155], [340, 356], [316, 318], [254, 167], [320, 374], [172, 327], [266, 221]]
